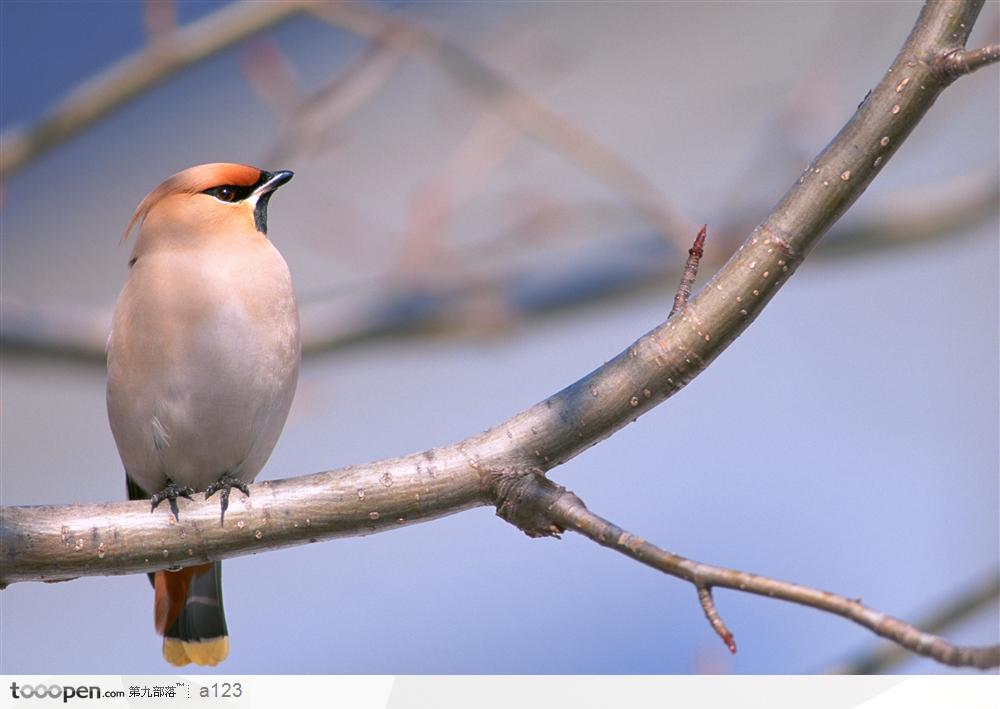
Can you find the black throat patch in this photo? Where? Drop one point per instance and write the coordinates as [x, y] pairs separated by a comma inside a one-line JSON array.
[[260, 212]]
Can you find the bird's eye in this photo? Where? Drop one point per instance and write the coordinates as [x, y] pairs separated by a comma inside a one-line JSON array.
[[229, 193]]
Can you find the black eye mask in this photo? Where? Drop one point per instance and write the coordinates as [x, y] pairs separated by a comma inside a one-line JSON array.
[[237, 193], [230, 193]]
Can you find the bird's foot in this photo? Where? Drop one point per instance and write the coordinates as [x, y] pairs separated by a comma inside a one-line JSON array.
[[223, 485], [171, 492]]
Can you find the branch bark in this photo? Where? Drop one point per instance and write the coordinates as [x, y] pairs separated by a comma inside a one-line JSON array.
[[979, 596], [505, 465], [961, 61]]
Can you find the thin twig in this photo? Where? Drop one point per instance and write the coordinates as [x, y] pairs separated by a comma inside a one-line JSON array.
[[690, 272], [977, 597], [714, 619], [568, 512], [962, 61]]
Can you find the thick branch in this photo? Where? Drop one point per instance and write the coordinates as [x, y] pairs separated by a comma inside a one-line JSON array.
[[47, 543], [53, 543]]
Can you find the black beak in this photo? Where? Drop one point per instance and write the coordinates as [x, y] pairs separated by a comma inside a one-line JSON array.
[[273, 181]]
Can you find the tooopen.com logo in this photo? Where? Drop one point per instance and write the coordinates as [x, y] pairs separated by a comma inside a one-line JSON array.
[[55, 691]]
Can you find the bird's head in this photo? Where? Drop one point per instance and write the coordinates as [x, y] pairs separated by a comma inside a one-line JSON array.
[[215, 198]]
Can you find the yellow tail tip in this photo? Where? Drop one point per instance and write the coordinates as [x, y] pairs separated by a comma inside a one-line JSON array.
[[204, 652]]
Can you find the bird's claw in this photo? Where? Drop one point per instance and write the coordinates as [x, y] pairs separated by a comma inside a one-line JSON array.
[[223, 486], [171, 492]]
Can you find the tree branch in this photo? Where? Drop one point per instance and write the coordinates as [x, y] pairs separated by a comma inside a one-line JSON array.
[[690, 273], [507, 462], [977, 597], [962, 61], [541, 504], [707, 602], [165, 55]]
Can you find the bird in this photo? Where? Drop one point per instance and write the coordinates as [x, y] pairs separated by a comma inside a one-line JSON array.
[[203, 362]]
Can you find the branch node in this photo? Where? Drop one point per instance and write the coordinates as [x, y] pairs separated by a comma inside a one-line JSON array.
[[714, 619], [956, 62], [525, 497]]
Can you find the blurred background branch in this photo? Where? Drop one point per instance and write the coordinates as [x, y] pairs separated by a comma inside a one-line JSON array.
[[518, 107], [169, 50], [430, 288], [404, 305]]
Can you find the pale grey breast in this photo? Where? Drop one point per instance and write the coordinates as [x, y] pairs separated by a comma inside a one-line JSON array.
[[202, 365]]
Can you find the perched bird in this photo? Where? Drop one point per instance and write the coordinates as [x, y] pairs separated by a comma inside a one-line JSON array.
[[203, 360]]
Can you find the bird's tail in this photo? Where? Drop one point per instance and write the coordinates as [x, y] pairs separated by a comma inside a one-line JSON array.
[[188, 614]]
